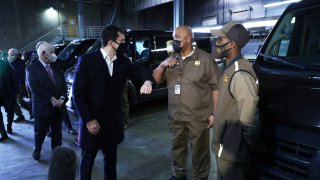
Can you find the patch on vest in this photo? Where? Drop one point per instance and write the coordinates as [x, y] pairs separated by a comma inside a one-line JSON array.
[[197, 63], [226, 78]]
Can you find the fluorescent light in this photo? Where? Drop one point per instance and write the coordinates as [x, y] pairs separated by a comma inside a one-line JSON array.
[[280, 3], [260, 24], [247, 25], [204, 29]]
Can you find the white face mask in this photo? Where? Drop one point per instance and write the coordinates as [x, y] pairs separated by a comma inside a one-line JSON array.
[[11, 58], [52, 57]]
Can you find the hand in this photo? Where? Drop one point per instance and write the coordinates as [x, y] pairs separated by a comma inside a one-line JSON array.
[[146, 88], [54, 102], [60, 103], [210, 121], [93, 127], [170, 61]]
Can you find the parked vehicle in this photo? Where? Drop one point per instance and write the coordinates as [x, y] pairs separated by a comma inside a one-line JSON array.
[[288, 69], [146, 48], [59, 47], [69, 55]]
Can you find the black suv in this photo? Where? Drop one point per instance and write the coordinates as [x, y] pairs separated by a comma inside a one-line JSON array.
[[146, 48], [288, 68], [67, 57]]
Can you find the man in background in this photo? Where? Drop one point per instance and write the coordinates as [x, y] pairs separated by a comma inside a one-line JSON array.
[[19, 67], [48, 95], [8, 91]]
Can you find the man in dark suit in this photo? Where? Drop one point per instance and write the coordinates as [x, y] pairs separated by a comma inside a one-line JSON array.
[[48, 96], [8, 91], [19, 67], [98, 86]]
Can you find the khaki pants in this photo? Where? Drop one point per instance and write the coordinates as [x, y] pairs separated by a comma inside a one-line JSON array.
[[195, 132]]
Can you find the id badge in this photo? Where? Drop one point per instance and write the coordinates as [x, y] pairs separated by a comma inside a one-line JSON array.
[[177, 89]]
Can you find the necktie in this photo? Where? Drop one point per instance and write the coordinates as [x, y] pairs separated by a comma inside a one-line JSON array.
[[50, 72]]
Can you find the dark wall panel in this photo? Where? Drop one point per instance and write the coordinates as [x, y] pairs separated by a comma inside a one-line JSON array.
[[23, 21], [157, 17]]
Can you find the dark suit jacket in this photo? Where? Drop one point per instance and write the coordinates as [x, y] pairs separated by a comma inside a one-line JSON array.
[[8, 85], [98, 96], [42, 88]]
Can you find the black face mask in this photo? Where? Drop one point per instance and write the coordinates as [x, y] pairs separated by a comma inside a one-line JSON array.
[[176, 46], [220, 52], [121, 48]]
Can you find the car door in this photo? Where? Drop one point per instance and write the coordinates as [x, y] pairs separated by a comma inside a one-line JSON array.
[[289, 71]]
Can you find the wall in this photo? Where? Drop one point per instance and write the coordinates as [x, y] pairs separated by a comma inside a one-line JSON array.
[[22, 21], [227, 10], [159, 17], [196, 11], [144, 4]]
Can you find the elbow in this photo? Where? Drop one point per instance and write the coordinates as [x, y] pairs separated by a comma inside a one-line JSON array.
[[157, 80]]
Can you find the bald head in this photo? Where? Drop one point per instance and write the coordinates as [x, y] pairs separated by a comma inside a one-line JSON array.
[[13, 52], [183, 37], [44, 52], [184, 32]]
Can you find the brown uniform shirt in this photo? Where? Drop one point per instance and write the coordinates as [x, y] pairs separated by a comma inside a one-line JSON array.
[[198, 76]]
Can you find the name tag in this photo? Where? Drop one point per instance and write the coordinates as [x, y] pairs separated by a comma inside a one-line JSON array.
[[177, 89]]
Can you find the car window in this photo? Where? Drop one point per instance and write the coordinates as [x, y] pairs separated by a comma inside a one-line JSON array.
[[95, 46], [65, 53], [160, 42], [297, 37]]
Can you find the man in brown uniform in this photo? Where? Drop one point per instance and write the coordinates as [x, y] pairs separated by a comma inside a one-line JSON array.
[[192, 79], [236, 121]]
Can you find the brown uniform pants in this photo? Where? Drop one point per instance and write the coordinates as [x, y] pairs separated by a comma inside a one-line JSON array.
[[197, 133]]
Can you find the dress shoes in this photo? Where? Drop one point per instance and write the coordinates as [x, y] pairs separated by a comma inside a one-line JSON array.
[[3, 138], [36, 155], [9, 129]]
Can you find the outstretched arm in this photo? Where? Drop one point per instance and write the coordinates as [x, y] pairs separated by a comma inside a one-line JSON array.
[[159, 71]]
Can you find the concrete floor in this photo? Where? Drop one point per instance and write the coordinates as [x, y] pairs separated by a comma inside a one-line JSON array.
[[144, 155]]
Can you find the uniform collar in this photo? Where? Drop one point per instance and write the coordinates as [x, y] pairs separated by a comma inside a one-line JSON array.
[[192, 56], [237, 58]]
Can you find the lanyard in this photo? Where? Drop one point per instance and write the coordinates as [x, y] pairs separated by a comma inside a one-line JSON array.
[[181, 68]]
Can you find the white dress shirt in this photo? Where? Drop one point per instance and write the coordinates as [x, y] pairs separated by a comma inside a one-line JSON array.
[[108, 60]]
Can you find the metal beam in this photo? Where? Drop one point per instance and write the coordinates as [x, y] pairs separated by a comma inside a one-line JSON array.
[[178, 13], [112, 13], [80, 18]]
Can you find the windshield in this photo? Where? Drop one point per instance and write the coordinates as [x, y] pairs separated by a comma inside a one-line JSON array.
[[96, 45], [296, 39], [66, 52]]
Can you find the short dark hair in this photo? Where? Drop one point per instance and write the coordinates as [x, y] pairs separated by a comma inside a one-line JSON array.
[[109, 32], [62, 164]]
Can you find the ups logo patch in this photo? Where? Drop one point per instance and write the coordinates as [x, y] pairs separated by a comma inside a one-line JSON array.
[[226, 78]]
